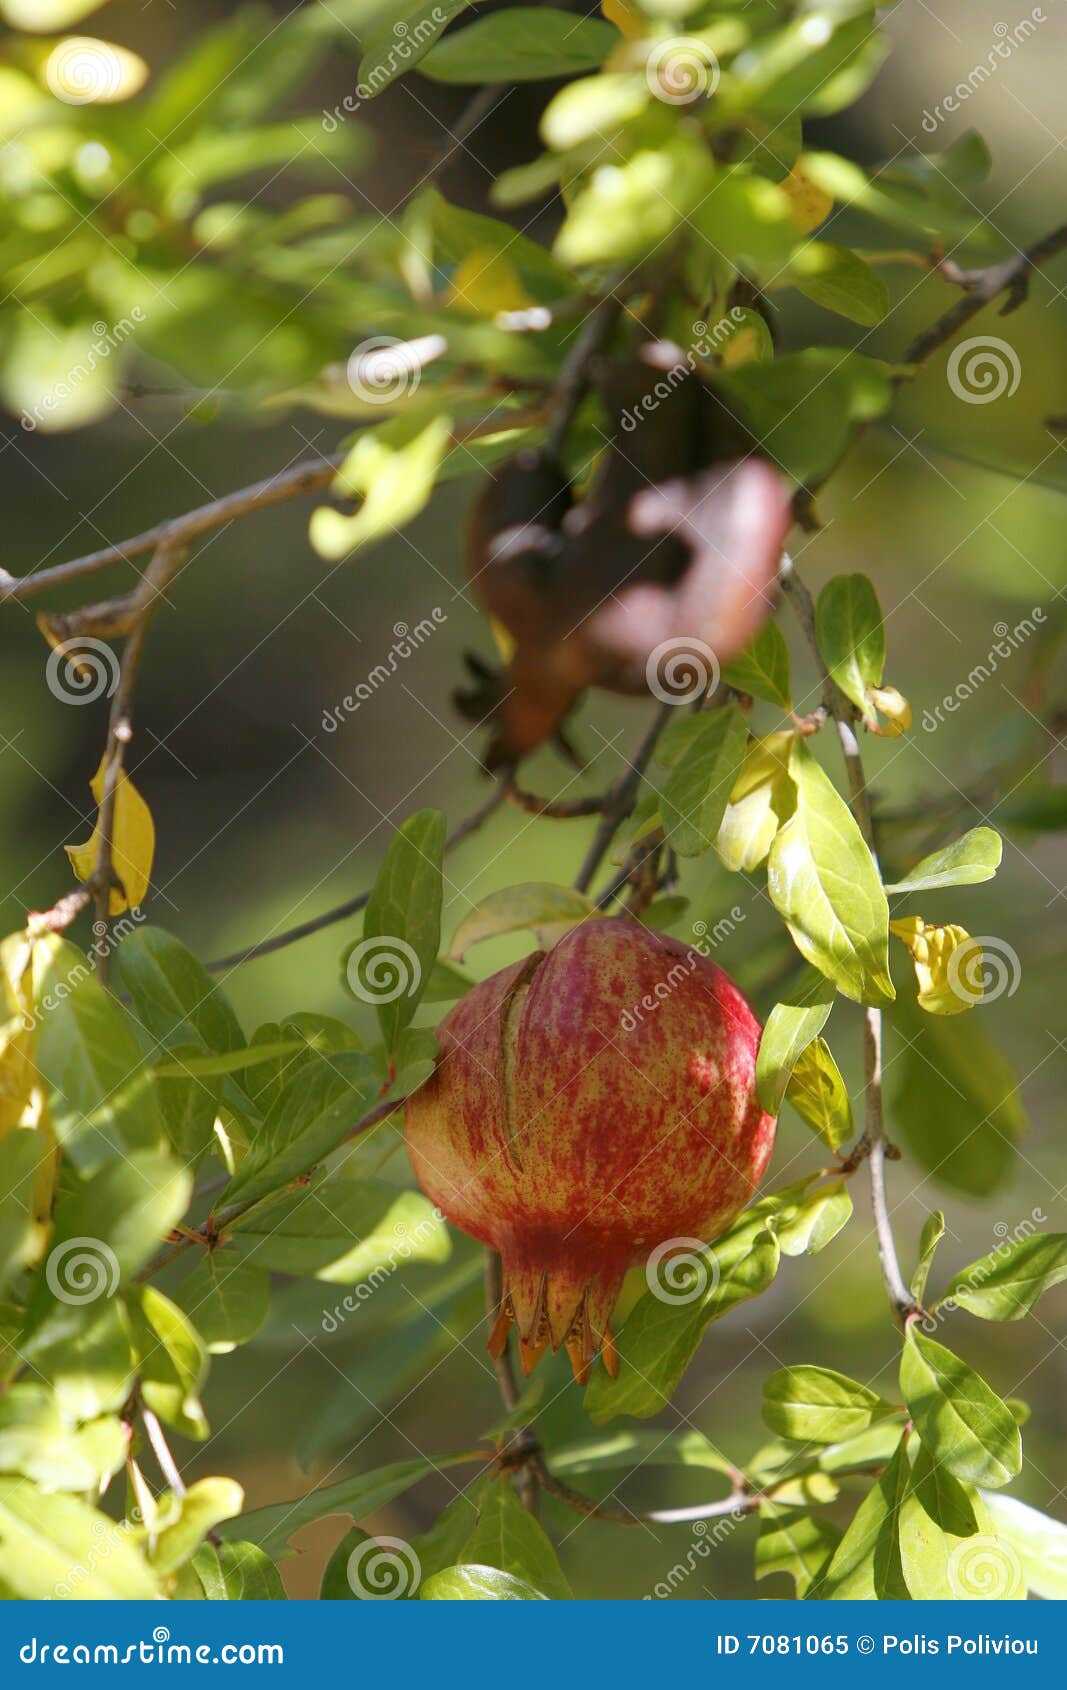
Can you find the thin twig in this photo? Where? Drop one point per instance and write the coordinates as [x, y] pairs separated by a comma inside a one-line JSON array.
[[474, 113], [981, 288], [620, 800], [313, 476], [557, 809], [161, 1449], [304, 929], [874, 1141]]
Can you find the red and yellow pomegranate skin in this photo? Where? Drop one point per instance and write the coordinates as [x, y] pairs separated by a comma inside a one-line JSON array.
[[590, 1104]]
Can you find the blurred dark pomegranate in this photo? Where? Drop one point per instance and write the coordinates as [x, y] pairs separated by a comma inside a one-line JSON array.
[[589, 1105]]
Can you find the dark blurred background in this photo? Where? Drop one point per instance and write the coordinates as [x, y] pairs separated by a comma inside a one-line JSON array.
[[956, 510]]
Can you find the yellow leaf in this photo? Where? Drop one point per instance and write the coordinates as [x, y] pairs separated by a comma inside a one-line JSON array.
[[948, 964], [487, 282], [17, 1072], [757, 802], [133, 844], [810, 204], [894, 707], [626, 18]]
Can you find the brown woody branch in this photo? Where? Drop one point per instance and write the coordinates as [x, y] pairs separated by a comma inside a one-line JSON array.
[[981, 287]]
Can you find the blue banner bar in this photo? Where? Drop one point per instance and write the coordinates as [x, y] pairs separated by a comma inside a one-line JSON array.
[[624, 1644]]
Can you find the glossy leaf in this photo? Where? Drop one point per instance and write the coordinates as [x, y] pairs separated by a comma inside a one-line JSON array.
[[226, 1299], [174, 995], [964, 1425], [402, 924], [1038, 1543], [799, 1545], [819, 1095], [790, 1028], [237, 1572], [866, 1564], [55, 1546], [508, 1537], [817, 1405], [763, 668], [342, 1231], [824, 883], [548, 911], [839, 279], [967, 861], [932, 1233], [1007, 1283], [851, 635], [325, 1100], [478, 1584], [694, 796]]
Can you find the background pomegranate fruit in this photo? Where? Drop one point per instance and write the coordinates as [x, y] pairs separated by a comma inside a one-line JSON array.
[[590, 1104]]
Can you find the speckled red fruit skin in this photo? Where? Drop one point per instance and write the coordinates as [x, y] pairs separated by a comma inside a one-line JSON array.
[[590, 1104]]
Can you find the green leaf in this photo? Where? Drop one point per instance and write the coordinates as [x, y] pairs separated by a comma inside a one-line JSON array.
[[866, 1564], [522, 44], [547, 911], [171, 1358], [83, 1352], [629, 208], [1038, 1543], [932, 1233], [203, 1507], [794, 69], [947, 1548], [1006, 1284], [695, 795], [392, 469], [763, 668], [639, 1448], [799, 1545], [396, 43], [747, 219], [806, 1227], [174, 995], [661, 1335], [101, 1098], [237, 1572], [36, 1442], [965, 862], [839, 279], [22, 1156], [107, 1227], [964, 1425], [327, 1097], [817, 1405], [954, 1097], [790, 1028], [1036, 809], [442, 1545], [803, 406], [359, 1496], [57, 1546], [343, 1231], [478, 1584], [819, 1095], [46, 15], [227, 1299], [189, 1104], [824, 884], [592, 107], [508, 1537], [851, 635], [402, 924]]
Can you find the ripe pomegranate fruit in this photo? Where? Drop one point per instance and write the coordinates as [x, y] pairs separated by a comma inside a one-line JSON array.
[[590, 1104]]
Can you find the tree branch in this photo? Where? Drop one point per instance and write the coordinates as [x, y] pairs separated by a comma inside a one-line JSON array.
[[981, 288], [874, 1141], [463, 830]]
